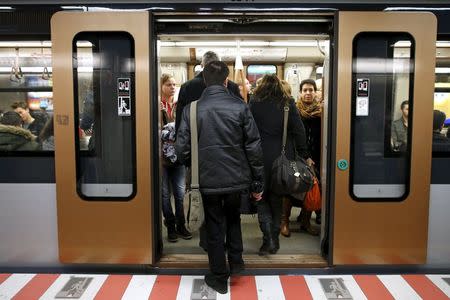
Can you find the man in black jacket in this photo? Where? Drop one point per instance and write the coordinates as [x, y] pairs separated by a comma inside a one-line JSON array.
[[192, 90], [230, 161]]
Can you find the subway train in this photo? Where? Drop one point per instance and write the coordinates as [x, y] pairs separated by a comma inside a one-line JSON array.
[[93, 69]]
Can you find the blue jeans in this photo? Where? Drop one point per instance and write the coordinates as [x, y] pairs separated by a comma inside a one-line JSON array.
[[173, 181]]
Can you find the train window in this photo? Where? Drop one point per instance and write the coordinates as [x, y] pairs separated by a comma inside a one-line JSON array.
[[441, 122], [382, 77], [441, 116], [26, 100], [254, 72], [104, 71]]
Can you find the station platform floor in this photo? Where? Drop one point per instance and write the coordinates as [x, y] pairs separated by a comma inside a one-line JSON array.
[[168, 287]]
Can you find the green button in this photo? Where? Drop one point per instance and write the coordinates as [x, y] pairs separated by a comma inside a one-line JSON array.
[[342, 164]]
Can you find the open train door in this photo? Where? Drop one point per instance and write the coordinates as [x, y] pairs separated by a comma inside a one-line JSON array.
[[382, 167], [102, 132]]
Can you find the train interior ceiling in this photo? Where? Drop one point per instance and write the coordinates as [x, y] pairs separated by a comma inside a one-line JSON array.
[[291, 57]]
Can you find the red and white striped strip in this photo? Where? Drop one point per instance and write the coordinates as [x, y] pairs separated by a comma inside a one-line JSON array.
[[164, 287]]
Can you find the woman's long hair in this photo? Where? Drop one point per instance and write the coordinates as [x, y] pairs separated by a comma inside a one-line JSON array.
[[271, 89]]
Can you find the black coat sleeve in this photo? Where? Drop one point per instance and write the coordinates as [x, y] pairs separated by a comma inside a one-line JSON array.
[[183, 141], [296, 129], [252, 144], [181, 104]]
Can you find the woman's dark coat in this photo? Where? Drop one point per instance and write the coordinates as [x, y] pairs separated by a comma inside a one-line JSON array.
[[269, 116]]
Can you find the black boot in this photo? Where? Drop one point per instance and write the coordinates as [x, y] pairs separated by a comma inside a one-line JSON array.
[[276, 239], [171, 232], [318, 216], [305, 224], [268, 245], [182, 231]]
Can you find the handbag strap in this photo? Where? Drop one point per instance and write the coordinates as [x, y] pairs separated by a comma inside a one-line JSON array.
[[285, 123], [194, 146]]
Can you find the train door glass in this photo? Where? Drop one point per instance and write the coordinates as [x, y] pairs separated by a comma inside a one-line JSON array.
[[383, 66], [105, 114]]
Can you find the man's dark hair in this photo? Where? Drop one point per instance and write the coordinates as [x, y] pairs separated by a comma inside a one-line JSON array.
[[11, 118], [404, 103], [438, 120], [20, 104], [215, 73], [308, 81], [208, 57]]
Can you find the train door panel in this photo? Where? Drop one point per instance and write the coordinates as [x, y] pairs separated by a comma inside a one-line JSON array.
[[382, 171], [102, 135]]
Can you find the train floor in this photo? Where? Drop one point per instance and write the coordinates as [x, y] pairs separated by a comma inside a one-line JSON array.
[[175, 287], [298, 243]]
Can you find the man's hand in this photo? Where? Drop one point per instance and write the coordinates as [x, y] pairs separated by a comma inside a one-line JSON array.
[[310, 162], [257, 196]]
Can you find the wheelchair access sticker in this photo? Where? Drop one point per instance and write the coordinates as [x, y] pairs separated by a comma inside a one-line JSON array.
[[124, 97]]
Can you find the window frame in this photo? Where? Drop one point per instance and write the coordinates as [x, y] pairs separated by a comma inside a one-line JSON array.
[[388, 119], [95, 85]]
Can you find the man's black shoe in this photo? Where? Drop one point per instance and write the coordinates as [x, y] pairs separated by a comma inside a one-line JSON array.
[[172, 234], [220, 287], [236, 268], [183, 232]]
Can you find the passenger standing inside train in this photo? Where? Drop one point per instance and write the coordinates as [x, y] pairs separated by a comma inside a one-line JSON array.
[[13, 137], [310, 108], [399, 132], [248, 89], [34, 122], [441, 143], [230, 161], [192, 90], [267, 107], [174, 173]]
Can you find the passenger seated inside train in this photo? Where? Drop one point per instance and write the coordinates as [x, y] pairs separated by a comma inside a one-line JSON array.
[[34, 121], [399, 130], [441, 143], [13, 137]]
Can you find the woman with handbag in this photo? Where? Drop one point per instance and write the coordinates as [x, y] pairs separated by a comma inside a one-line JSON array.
[[173, 175], [268, 106]]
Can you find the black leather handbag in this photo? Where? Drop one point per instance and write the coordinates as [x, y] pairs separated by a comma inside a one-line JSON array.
[[290, 177]]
